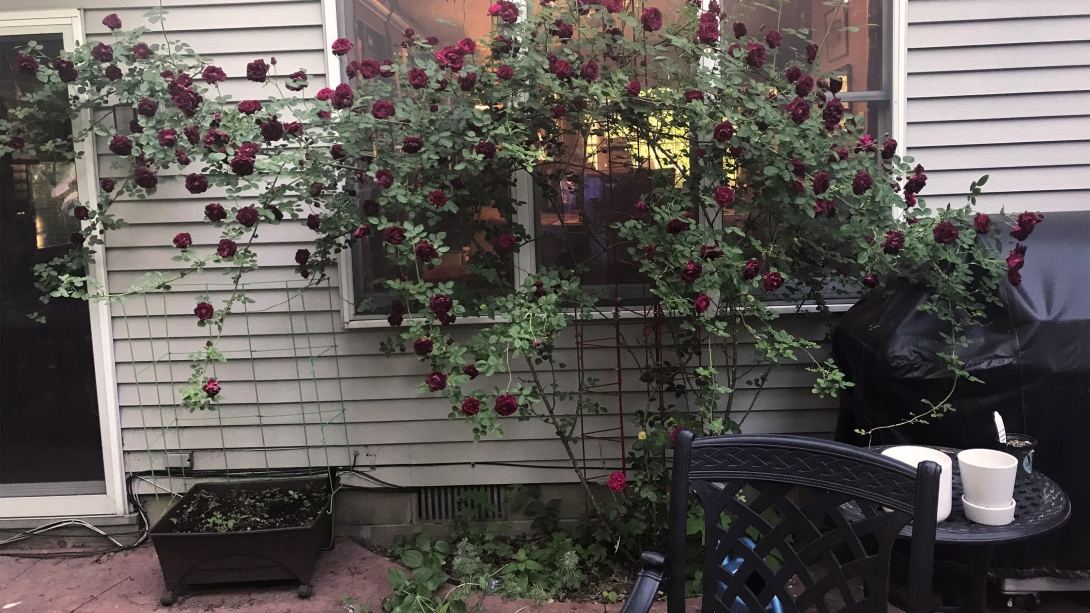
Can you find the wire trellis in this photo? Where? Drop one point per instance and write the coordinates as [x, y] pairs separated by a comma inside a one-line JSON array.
[[257, 337]]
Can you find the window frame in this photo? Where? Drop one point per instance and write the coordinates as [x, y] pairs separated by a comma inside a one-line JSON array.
[[69, 24], [894, 33]]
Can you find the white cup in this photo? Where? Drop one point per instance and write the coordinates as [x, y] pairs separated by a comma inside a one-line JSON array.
[[987, 477], [913, 455]]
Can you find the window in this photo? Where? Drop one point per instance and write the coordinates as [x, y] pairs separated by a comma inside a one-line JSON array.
[[570, 215]]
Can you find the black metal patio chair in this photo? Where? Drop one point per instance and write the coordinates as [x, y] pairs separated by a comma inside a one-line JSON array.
[[793, 524]]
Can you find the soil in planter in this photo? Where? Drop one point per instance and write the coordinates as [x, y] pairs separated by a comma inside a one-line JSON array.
[[239, 510]]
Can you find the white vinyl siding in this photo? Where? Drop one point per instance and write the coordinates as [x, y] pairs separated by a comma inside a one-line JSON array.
[[1001, 87]]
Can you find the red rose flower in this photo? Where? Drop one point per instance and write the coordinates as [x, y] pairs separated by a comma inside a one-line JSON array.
[[945, 232], [418, 78], [145, 177], [871, 280], [710, 252], [617, 481], [983, 223], [440, 303], [341, 46], [773, 39], [27, 64], [247, 216], [651, 18], [833, 114], [82, 212], [112, 21], [564, 30], [1015, 261], [381, 109], [811, 52], [1026, 222], [302, 256], [701, 303], [508, 241], [272, 130], [804, 86], [589, 70], [425, 251], [343, 97], [215, 212], [825, 207], [471, 406], [693, 94], [66, 70], [297, 81], [394, 235], [467, 46], [691, 271], [362, 231], [471, 371], [249, 107], [314, 221], [226, 248], [211, 74], [861, 182], [204, 311], [196, 183], [820, 182], [506, 404], [889, 149], [103, 53], [384, 178], [708, 32], [755, 54], [212, 388], [772, 281], [183, 240], [467, 82], [561, 68], [412, 144], [438, 198], [242, 166], [436, 381], [486, 150], [723, 132], [634, 87], [106, 185], [257, 71], [121, 145], [895, 241], [423, 346]]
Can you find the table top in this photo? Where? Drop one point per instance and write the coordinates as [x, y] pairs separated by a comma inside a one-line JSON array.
[[1040, 507]]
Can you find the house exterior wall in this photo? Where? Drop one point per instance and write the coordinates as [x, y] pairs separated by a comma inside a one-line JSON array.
[[1001, 87], [996, 95]]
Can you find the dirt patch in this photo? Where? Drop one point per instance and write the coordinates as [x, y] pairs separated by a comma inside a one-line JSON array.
[[241, 510]]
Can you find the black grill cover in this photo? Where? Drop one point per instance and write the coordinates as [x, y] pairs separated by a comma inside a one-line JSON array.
[[1033, 355]]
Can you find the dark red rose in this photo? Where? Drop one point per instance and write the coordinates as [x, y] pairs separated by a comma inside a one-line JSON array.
[[242, 166], [797, 187], [81, 212], [694, 94], [710, 252], [362, 231], [27, 64], [708, 32], [183, 240], [471, 406], [701, 303], [486, 150], [204, 311], [297, 81], [370, 208], [559, 111], [468, 82], [564, 30], [425, 251], [438, 198], [302, 256], [66, 70], [916, 182], [755, 54], [249, 150], [112, 21], [183, 159], [212, 388], [508, 12], [145, 177], [772, 281], [467, 46], [418, 78], [676, 226], [506, 405], [641, 209], [103, 53], [314, 221], [691, 271], [833, 114], [76, 238], [983, 223], [723, 132], [945, 232], [337, 152], [820, 182], [342, 46], [797, 167], [589, 70], [505, 72], [724, 196], [215, 212], [247, 216], [369, 69], [412, 144], [324, 94], [1015, 261], [866, 143], [841, 154], [143, 52], [384, 178], [422, 346], [106, 185], [257, 70], [634, 87], [889, 149], [804, 86], [871, 280], [135, 127], [343, 97], [793, 74], [272, 130], [192, 134], [113, 73], [394, 235], [799, 109], [739, 29], [773, 39], [16, 143], [121, 144], [382, 109], [1026, 222], [471, 371], [168, 137], [649, 250], [895, 241], [811, 52], [508, 241], [562, 69], [440, 303], [196, 183], [825, 207], [861, 182], [910, 199], [395, 320], [249, 107], [226, 248], [450, 57]]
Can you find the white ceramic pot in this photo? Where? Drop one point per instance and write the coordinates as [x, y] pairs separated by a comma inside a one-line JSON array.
[[988, 515], [987, 477], [912, 456]]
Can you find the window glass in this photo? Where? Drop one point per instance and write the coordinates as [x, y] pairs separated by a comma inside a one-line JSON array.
[[378, 26]]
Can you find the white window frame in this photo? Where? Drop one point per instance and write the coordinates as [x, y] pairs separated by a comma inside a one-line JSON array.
[[334, 26], [69, 23]]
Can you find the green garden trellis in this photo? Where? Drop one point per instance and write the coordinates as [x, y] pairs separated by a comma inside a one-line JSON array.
[[305, 348]]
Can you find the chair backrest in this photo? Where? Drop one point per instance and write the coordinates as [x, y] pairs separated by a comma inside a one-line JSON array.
[[795, 524]]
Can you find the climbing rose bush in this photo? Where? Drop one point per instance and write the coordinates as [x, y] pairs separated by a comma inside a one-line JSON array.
[[767, 187]]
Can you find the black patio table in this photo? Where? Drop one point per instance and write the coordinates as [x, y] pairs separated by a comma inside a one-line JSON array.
[[1040, 507]]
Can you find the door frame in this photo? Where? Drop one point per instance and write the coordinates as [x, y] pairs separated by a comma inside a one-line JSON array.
[[69, 23]]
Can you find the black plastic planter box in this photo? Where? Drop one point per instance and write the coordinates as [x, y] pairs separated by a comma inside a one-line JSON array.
[[192, 558]]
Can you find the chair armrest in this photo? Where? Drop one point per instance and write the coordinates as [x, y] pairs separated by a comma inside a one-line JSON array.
[[642, 596]]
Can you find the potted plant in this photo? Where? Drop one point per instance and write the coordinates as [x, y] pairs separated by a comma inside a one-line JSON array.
[[236, 532]]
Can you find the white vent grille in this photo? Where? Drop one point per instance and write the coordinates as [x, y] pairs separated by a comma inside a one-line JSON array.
[[480, 503]]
